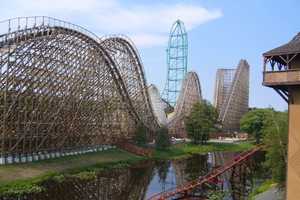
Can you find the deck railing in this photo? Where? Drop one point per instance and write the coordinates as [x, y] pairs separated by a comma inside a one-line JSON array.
[[286, 77]]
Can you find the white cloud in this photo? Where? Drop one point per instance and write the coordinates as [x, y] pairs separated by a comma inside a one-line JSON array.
[[156, 18], [148, 40], [58, 5], [147, 25]]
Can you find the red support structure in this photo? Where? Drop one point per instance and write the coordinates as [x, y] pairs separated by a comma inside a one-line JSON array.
[[210, 177], [135, 149]]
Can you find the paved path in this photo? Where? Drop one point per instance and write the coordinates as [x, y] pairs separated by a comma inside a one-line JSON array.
[[271, 194]]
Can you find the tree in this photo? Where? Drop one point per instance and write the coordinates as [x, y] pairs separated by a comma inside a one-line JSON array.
[[271, 127], [162, 140], [201, 122], [141, 135], [275, 139], [253, 121]]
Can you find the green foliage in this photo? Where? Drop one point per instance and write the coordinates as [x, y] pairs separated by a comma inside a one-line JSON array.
[[186, 150], [272, 127], [253, 122], [216, 195], [84, 170], [162, 140], [268, 184], [141, 135], [18, 188], [201, 122], [275, 138]]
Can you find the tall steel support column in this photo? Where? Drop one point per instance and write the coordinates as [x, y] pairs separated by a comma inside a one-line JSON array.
[[177, 52]]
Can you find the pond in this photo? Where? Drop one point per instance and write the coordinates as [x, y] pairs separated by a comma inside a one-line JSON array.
[[147, 178]]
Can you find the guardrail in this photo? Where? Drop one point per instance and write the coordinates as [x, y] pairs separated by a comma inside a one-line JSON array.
[[287, 77]]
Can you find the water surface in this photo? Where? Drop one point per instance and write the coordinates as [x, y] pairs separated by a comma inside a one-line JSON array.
[[147, 178]]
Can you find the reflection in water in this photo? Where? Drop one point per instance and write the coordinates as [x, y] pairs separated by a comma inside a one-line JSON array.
[[147, 178]]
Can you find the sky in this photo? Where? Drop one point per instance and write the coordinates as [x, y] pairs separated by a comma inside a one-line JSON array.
[[220, 32]]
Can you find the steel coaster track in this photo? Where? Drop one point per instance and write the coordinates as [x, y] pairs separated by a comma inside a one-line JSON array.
[[210, 177]]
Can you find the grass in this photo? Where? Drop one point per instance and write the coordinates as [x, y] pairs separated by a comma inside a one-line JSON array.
[[268, 184], [185, 150], [18, 179]]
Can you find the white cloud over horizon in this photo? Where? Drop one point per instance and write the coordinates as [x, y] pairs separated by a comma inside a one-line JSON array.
[[146, 25]]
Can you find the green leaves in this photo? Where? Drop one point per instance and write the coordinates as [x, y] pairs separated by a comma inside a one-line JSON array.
[[201, 121], [253, 122], [275, 136], [271, 127]]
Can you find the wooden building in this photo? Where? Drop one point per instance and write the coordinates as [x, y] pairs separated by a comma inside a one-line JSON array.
[[282, 72]]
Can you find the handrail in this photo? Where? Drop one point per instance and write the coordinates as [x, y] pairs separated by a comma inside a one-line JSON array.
[[289, 70]]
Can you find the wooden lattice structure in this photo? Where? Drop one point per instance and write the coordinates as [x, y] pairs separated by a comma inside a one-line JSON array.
[[223, 84], [64, 89], [232, 95], [189, 95]]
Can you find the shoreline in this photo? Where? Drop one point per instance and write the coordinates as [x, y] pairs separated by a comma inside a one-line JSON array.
[[19, 179]]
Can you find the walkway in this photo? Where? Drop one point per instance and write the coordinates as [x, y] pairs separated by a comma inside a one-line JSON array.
[[271, 194]]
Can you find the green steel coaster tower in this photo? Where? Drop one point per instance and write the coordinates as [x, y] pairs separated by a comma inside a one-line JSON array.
[[177, 52]]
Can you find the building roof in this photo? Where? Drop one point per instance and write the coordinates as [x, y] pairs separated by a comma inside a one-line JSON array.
[[291, 47]]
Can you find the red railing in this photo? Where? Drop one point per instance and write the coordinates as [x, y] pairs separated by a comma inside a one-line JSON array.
[[183, 189], [135, 149]]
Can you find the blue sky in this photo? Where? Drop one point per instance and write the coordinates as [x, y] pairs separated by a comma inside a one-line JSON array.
[[220, 32]]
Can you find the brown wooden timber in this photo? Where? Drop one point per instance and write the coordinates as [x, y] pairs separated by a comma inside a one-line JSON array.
[[64, 89]]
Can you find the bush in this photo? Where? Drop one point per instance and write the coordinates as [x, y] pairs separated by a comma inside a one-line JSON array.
[[162, 140]]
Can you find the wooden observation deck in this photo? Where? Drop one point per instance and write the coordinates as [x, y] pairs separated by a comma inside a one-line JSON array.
[[282, 72]]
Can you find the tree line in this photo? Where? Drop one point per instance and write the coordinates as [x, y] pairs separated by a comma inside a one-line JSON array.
[[270, 128], [265, 126]]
